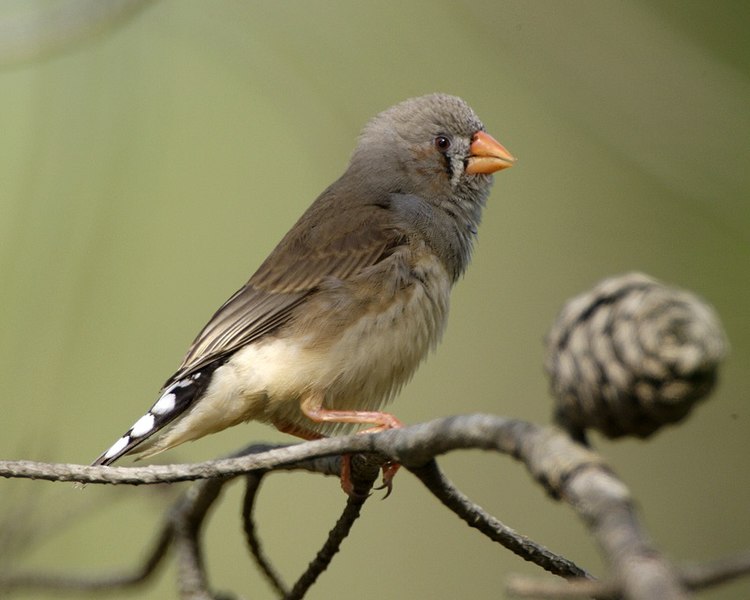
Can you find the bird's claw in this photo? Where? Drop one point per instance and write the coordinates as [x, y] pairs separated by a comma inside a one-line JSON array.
[[389, 472]]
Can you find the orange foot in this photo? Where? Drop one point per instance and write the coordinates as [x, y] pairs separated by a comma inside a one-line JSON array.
[[312, 407]]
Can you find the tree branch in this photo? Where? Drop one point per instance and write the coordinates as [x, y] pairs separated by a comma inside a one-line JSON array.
[[364, 472], [475, 516], [567, 470], [694, 577], [76, 585], [411, 446], [252, 487]]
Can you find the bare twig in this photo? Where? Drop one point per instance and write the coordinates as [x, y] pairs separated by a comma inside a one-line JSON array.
[[694, 577], [528, 587], [76, 585], [718, 571], [278, 457], [364, 473], [475, 516], [187, 518], [605, 505], [410, 446], [332, 545], [253, 481], [182, 528]]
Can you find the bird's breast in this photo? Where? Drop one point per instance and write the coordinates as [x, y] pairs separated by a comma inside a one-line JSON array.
[[355, 341], [381, 348]]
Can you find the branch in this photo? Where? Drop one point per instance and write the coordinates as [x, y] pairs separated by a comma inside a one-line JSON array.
[[475, 516], [252, 486], [569, 471], [75, 585], [411, 446], [181, 528], [695, 577], [364, 472], [186, 519]]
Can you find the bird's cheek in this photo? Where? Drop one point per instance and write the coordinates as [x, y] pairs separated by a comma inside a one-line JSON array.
[[439, 182], [429, 174]]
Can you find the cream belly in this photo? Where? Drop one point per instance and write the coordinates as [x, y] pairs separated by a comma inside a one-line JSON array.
[[359, 369]]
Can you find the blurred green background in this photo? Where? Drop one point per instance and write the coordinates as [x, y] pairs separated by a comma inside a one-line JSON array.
[[147, 170]]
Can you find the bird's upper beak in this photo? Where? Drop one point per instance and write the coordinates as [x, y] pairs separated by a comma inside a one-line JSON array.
[[487, 155]]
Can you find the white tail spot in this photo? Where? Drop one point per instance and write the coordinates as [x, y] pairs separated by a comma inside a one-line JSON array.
[[143, 426], [164, 405], [117, 447]]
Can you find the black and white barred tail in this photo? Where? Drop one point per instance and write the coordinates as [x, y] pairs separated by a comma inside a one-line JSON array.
[[175, 399]]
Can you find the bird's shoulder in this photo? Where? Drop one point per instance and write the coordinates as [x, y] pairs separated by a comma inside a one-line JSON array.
[[336, 237]]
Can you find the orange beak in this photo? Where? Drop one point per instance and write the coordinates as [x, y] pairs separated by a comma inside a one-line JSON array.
[[487, 155]]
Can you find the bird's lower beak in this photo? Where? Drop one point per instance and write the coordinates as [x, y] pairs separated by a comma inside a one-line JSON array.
[[487, 155]]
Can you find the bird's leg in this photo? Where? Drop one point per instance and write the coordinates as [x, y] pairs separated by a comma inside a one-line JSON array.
[[297, 431], [312, 407], [306, 434]]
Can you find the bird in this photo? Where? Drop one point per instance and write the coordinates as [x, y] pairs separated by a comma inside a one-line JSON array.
[[341, 313]]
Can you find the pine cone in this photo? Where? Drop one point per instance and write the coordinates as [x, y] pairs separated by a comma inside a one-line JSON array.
[[632, 355]]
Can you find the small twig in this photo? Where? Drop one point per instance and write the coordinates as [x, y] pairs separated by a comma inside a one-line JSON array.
[[605, 505], [363, 477], [187, 517], [475, 516], [700, 576], [253, 481], [528, 587], [310, 456], [332, 545], [695, 577], [76, 585], [411, 445]]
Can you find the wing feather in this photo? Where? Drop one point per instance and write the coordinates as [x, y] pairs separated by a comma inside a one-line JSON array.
[[315, 249]]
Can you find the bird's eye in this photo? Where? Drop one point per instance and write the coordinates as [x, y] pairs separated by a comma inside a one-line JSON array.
[[442, 143]]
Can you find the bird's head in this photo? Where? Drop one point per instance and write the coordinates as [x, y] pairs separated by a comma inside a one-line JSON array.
[[432, 146]]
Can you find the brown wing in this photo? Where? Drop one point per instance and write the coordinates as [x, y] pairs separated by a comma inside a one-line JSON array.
[[330, 240]]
